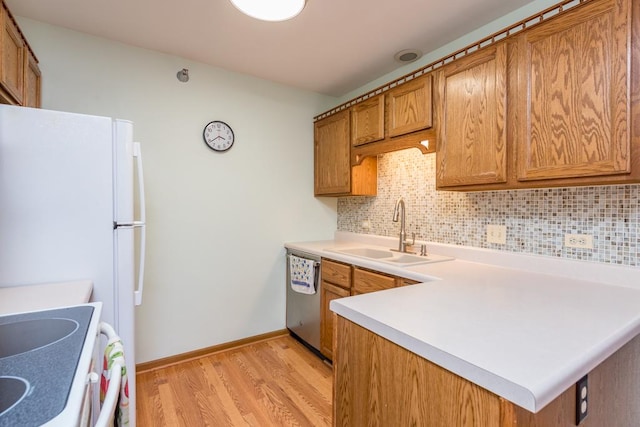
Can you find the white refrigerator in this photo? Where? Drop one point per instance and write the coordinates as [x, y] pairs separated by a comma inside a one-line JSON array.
[[72, 208]]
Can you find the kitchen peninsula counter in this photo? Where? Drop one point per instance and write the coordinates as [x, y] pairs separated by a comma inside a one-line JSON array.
[[523, 327]]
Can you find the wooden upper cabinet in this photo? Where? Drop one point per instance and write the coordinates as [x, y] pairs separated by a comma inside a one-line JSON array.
[[334, 175], [409, 106], [471, 100], [32, 93], [367, 121], [12, 59], [574, 91], [19, 72], [332, 154]]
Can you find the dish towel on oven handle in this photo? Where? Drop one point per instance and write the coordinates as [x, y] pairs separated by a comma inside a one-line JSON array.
[[114, 352], [303, 275]]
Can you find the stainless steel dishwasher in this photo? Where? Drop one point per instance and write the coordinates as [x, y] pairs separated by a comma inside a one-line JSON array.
[[303, 311]]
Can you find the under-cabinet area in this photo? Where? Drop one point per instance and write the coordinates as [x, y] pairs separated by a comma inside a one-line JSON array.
[[554, 103]]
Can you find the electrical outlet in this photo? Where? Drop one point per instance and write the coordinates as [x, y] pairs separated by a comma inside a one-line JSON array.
[[582, 399], [582, 241], [497, 234], [366, 224]]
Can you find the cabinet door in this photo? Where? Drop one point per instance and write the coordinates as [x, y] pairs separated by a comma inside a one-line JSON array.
[[12, 58], [574, 74], [332, 155], [32, 94], [328, 317], [409, 106], [334, 175], [367, 121], [472, 144]]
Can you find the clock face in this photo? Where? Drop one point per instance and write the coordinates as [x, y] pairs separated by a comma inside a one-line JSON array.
[[218, 135]]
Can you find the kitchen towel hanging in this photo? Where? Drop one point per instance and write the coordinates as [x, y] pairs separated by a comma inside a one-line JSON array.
[[112, 354], [303, 274]]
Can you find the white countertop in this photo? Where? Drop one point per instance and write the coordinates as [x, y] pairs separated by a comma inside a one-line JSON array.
[[19, 299], [502, 324]]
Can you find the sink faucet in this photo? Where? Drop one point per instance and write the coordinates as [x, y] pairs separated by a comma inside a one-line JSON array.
[[402, 245]]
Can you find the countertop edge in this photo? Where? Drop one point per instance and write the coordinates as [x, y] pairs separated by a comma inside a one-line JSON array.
[[532, 397], [496, 384]]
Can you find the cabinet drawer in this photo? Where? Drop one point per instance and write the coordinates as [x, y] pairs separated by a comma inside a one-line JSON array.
[[337, 273], [401, 281], [367, 281]]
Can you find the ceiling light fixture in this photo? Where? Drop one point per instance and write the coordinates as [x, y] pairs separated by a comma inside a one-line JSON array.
[[408, 55], [270, 10]]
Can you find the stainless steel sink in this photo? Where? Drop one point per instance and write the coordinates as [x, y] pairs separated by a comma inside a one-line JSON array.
[[406, 260], [367, 252], [388, 256], [27, 335]]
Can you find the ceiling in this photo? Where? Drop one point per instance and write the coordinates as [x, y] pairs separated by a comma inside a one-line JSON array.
[[332, 47]]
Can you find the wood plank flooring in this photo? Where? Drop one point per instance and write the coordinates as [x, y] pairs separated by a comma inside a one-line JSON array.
[[277, 382]]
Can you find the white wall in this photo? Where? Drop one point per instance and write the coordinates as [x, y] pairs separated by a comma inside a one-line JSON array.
[[217, 222]]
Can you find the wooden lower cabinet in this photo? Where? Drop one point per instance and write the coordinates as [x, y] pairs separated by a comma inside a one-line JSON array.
[[339, 280], [401, 281], [336, 283], [328, 317], [377, 382]]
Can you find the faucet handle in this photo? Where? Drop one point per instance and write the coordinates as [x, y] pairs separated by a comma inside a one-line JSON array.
[[408, 243], [423, 250]]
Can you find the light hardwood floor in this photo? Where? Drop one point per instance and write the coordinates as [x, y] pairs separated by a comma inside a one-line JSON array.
[[277, 382]]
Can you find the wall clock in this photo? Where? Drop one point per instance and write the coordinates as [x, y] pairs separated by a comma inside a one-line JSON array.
[[218, 135]]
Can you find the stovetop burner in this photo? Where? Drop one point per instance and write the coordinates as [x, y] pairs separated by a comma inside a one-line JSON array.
[[28, 335], [12, 391], [39, 353]]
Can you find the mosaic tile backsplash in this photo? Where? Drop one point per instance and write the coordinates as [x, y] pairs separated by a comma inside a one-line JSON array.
[[536, 220]]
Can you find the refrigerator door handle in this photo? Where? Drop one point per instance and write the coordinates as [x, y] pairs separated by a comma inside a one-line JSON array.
[[137, 293], [137, 153]]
